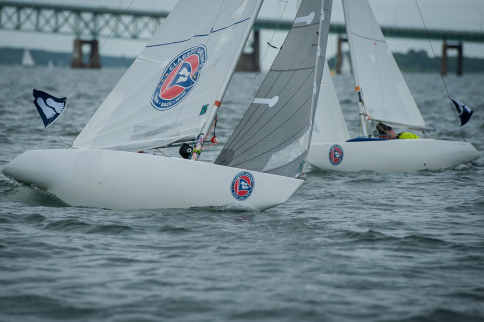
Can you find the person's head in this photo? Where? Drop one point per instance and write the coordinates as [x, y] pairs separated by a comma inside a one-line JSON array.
[[385, 131]]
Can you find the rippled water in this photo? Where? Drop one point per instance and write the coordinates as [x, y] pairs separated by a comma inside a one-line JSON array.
[[346, 247]]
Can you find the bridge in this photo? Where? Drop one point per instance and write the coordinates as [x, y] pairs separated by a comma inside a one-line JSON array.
[[92, 23]]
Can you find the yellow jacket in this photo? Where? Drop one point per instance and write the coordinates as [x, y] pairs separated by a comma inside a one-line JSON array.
[[408, 135]]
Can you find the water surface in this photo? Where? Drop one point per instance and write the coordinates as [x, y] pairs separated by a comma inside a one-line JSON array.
[[346, 247]]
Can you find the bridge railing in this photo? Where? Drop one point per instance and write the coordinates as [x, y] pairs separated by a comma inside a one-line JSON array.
[[138, 24], [79, 21]]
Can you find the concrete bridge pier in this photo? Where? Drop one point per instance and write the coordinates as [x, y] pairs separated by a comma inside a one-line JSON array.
[[339, 55], [77, 61], [460, 58], [249, 62]]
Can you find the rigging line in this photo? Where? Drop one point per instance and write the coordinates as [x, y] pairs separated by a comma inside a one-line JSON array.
[[208, 133], [96, 54], [438, 68], [263, 58], [36, 140], [99, 50]]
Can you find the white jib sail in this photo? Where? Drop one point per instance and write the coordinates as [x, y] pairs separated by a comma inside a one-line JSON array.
[[168, 92], [329, 122], [385, 93]]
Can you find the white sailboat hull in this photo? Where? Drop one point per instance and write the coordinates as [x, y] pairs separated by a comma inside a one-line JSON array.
[[124, 180], [393, 155]]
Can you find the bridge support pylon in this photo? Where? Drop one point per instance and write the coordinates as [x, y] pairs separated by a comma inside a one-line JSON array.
[[460, 58], [77, 61], [339, 55], [249, 62]]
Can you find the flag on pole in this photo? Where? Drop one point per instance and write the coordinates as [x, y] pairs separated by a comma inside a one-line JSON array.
[[48, 106], [465, 112]]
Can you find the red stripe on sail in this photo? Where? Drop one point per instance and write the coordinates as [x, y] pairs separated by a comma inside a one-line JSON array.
[[168, 81]]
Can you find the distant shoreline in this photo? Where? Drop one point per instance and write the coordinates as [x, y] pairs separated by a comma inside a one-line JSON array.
[[411, 62]]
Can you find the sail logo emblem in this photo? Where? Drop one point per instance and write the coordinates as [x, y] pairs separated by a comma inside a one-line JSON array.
[[179, 78], [242, 185], [335, 154]]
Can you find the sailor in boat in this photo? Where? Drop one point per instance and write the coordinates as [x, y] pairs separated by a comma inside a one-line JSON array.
[[387, 132]]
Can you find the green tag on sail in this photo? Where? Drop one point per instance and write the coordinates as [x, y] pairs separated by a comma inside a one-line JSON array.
[[204, 109]]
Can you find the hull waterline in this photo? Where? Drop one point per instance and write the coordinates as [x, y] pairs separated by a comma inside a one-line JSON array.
[[124, 180], [392, 155]]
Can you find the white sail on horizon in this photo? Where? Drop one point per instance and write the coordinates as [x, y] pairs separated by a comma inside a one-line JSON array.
[[27, 60]]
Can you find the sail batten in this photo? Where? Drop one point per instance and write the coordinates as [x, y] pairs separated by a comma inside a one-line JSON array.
[[368, 38], [204, 35]]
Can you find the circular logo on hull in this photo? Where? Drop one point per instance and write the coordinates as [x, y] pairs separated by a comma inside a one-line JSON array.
[[179, 78], [242, 185], [335, 154]]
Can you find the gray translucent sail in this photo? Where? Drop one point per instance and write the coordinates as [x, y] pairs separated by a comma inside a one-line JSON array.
[[274, 134]]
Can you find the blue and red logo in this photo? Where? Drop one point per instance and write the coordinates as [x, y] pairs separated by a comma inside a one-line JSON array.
[[179, 78], [335, 154], [242, 185]]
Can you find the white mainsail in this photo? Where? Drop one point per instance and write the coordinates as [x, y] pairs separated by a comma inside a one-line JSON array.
[[384, 91], [170, 89], [27, 60]]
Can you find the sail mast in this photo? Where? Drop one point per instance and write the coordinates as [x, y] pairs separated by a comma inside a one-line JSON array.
[[361, 106], [216, 105]]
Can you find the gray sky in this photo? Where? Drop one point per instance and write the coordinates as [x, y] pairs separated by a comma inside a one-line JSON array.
[[437, 14]]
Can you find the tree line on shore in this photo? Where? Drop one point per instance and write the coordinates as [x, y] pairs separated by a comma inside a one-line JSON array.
[[412, 61]]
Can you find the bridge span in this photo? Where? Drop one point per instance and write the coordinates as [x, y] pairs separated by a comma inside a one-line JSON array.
[[95, 22]]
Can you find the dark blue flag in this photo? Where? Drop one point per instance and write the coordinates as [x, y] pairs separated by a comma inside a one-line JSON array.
[[465, 112], [49, 107]]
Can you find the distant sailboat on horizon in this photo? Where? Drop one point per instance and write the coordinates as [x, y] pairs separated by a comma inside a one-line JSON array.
[[27, 60]]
